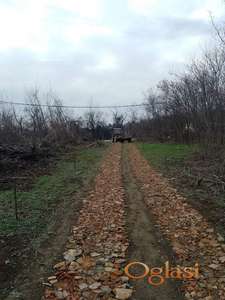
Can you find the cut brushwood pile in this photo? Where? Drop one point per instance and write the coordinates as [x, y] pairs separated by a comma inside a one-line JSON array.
[[192, 238], [95, 254]]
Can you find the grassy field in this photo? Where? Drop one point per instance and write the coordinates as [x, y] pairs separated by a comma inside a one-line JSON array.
[[198, 177], [162, 155], [36, 207]]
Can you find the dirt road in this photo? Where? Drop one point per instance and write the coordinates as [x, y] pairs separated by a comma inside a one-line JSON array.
[[146, 243], [133, 214]]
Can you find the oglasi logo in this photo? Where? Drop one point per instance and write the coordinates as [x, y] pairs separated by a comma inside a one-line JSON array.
[[157, 276]]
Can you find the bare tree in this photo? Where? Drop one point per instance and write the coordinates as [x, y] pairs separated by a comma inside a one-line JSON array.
[[94, 120], [118, 119]]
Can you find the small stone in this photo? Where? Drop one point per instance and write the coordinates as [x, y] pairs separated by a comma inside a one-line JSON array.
[[46, 284], [124, 279], [97, 291], [109, 269], [115, 255], [193, 294], [61, 294], [187, 295], [109, 264], [214, 266], [100, 263], [220, 238], [95, 285], [83, 286], [106, 289], [222, 259], [95, 254], [73, 266], [120, 261], [123, 294], [71, 254], [61, 265], [51, 278]]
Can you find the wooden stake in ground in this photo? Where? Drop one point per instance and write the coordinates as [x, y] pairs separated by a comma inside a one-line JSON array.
[[15, 201]]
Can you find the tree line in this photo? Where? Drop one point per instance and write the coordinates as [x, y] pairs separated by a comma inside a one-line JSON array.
[[191, 106], [45, 122], [49, 125]]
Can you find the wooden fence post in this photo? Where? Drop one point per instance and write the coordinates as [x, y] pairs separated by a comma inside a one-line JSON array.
[[74, 166], [15, 201]]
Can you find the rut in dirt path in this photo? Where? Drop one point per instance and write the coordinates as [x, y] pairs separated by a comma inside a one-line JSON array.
[[146, 245]]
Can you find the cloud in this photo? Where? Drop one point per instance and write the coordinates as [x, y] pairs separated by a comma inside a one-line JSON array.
[[165, 28], [107, 62], [31, 24], [85, 8], [109, 50], [143, 7], [216, 8], [77, 32], [197, 9], [22, 26]]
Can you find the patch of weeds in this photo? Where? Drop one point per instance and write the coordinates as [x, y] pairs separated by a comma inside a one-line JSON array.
[[37, 206]]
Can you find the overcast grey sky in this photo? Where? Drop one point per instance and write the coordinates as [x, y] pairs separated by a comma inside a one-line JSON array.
[[110, 51]]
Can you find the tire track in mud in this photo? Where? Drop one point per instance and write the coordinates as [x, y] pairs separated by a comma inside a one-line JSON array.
[[146, 244], [191, 237]]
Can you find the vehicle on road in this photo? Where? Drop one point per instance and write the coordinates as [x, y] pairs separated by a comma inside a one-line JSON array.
[[119, 135]]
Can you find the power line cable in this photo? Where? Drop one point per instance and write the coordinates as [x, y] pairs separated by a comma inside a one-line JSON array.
[[74, 107]]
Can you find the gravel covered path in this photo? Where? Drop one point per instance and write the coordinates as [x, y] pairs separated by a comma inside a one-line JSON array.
[[132, 210]]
